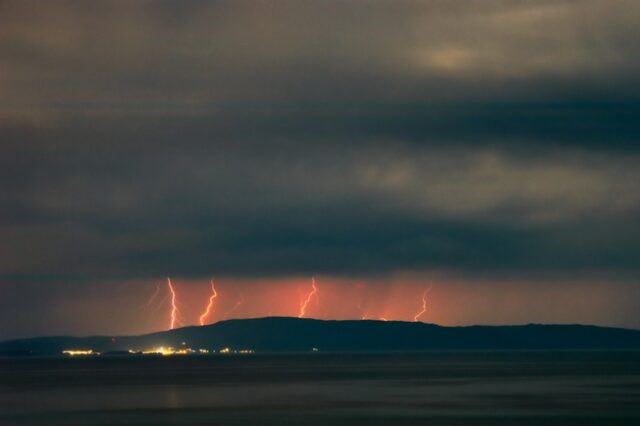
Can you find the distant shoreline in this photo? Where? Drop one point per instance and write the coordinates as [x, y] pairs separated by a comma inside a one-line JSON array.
[[294, 335]]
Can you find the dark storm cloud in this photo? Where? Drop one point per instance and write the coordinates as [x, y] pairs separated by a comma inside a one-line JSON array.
[[150, 138]]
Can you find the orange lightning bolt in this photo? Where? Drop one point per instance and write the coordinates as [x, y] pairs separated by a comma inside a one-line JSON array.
[[362, 314], [424, 305], [361, 310], [214, 294], [154, 295], [236, 306], [303, 305], [174, 308]]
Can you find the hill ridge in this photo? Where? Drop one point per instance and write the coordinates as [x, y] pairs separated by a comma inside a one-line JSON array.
[[287, 334]]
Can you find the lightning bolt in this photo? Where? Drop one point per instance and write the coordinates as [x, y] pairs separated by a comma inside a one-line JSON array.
[[303, 305], [236, 306], [363, 315], [424, 304], [154, 295], [161, 302], [174, 307], [361, 310], [214, 294]]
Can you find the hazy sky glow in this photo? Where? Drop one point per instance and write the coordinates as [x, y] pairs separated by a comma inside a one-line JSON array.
[[488, 148]]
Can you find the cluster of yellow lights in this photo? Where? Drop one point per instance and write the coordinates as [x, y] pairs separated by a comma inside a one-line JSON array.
[[168, 350], [162, 350], [233, 351], [80, 352]]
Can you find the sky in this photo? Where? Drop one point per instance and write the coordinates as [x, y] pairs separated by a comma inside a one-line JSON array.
[[485, 150]]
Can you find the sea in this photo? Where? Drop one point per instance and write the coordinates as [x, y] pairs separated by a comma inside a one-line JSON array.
[[434, 388]]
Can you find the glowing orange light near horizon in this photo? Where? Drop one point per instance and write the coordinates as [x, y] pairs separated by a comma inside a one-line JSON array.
[[424, 305], [174, 307], [305, 303], [214, 294]]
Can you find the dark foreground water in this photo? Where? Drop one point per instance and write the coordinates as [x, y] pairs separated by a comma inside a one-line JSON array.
[[540, 388]]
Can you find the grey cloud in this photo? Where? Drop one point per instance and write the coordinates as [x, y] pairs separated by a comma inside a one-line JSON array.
[[197, 54], [287, 206], [144, 138]]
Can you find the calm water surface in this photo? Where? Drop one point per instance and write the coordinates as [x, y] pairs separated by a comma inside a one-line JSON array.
[[562, 388]]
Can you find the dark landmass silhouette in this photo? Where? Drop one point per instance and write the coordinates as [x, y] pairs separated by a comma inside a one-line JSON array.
[[282, 334]]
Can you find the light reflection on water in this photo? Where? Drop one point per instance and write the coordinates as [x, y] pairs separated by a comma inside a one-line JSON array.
[[435, 388]]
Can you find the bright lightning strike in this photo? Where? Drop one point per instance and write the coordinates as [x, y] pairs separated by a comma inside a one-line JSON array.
[[424, 305], [214, 294], [305, 304], [174, 307]]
